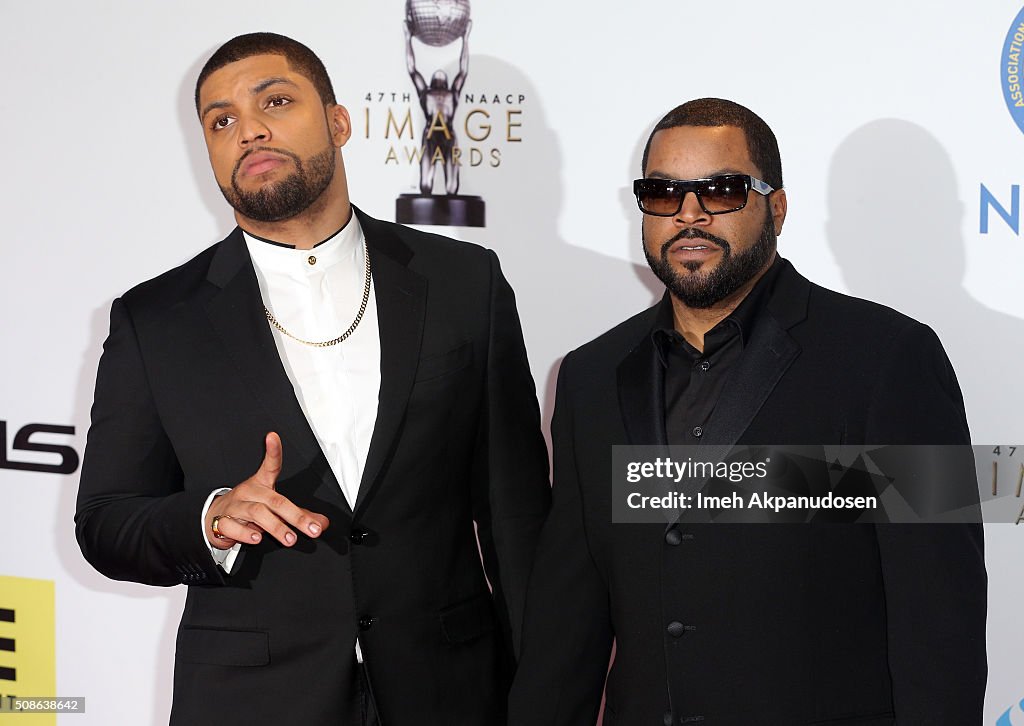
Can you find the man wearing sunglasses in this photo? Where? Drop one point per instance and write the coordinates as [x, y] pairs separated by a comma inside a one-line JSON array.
[[741, 624]]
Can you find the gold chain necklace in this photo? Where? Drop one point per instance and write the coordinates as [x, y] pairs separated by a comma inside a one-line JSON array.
[[351, 329]]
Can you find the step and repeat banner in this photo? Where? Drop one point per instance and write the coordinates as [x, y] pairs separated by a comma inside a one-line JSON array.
[[901, 127]]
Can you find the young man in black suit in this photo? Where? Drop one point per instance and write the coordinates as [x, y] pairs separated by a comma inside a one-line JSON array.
[[375, 380], [734, 624]]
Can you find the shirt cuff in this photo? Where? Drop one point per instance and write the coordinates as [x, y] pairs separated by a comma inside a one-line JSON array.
[[224, 558]]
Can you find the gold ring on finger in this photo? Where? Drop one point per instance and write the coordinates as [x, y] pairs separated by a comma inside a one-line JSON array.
[[216, 525]]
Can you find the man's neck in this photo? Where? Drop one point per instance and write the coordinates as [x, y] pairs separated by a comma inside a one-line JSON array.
[[322, 219], [694, 323]]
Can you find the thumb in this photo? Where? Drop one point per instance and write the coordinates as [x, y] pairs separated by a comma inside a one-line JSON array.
[[270, 469]]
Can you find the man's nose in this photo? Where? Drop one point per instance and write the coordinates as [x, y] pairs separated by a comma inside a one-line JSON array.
[[252, 130], [691, 211]]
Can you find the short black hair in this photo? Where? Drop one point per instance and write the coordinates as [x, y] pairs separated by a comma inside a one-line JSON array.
[[761, 143], [300, 59]]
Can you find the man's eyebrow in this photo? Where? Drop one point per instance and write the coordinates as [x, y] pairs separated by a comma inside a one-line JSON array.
[[718, 172], [211, 106], [267, 83], [255, 91]]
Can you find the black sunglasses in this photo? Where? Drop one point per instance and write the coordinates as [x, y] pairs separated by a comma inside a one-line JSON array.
[[717, 195]]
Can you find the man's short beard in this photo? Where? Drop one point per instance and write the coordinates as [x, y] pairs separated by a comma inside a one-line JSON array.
[[286, 198], [698, 290]]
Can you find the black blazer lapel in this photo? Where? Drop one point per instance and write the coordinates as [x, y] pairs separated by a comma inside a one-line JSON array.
[[236, 313], [766, 356], [401, 297], [641, 381]]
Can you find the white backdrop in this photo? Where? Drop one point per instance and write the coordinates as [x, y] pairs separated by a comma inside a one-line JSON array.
[[890, 118]]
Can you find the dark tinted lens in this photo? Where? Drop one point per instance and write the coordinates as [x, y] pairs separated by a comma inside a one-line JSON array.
[[724, 193], [657, 196]]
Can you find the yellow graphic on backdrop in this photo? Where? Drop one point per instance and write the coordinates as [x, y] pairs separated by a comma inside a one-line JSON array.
[[28, 651]]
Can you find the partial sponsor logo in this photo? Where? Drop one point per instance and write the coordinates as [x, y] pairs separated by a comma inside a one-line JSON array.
[[1010, 70], [28, 650], [1013, 716], [61, 458], [1012, 83]]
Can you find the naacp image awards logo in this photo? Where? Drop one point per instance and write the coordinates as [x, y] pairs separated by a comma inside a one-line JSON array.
[[439, 127]]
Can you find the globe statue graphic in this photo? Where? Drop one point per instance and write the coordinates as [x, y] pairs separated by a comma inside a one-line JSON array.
[[437, 22]]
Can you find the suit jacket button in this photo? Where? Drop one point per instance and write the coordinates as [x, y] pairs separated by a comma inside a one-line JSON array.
[[673, 536], [357, 536], [365, 622], [676, 629]]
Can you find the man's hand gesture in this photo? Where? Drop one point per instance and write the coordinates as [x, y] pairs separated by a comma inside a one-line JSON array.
[[253, 508]]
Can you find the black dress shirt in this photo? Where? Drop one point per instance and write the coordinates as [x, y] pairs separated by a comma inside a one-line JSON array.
[[694, 380]]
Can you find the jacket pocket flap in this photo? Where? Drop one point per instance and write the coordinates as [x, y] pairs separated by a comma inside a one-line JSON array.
[[468, 620], [223, 647], [435, 366]]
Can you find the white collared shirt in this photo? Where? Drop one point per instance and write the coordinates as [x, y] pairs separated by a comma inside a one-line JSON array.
[[315, 295]]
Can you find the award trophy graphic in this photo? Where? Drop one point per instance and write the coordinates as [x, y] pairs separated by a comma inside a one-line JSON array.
[[439, 23]]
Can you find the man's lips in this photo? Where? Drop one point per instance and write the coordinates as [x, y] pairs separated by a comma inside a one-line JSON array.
[[693, 247], [261, 162], [693, 244]]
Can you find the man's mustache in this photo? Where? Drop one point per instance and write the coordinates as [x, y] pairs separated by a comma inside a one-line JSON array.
[[692, 233]]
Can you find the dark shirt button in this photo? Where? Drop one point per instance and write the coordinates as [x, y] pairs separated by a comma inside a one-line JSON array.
[[673, 536], [698, 431], [704, 365], [676, 629], [357, 536], [666, 718], [365, 622]]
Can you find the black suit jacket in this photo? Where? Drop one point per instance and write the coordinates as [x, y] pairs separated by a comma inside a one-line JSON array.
[[188, 385], [781, 624]]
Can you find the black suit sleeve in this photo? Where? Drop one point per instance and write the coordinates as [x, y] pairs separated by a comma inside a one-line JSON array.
[[134, 519], [567, 635], [933, 574], [511, 495]]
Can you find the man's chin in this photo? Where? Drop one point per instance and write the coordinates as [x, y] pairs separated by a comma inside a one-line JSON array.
[[261, 184]]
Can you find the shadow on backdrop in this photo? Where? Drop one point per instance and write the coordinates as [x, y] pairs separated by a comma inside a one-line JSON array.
[[894, 226], [566, 294]]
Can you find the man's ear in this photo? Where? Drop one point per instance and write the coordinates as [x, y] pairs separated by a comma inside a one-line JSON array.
[[340, 125], [778, 205]]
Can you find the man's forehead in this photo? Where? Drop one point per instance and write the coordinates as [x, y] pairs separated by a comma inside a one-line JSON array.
[[712, 146], [246, 73], [720, 136]]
